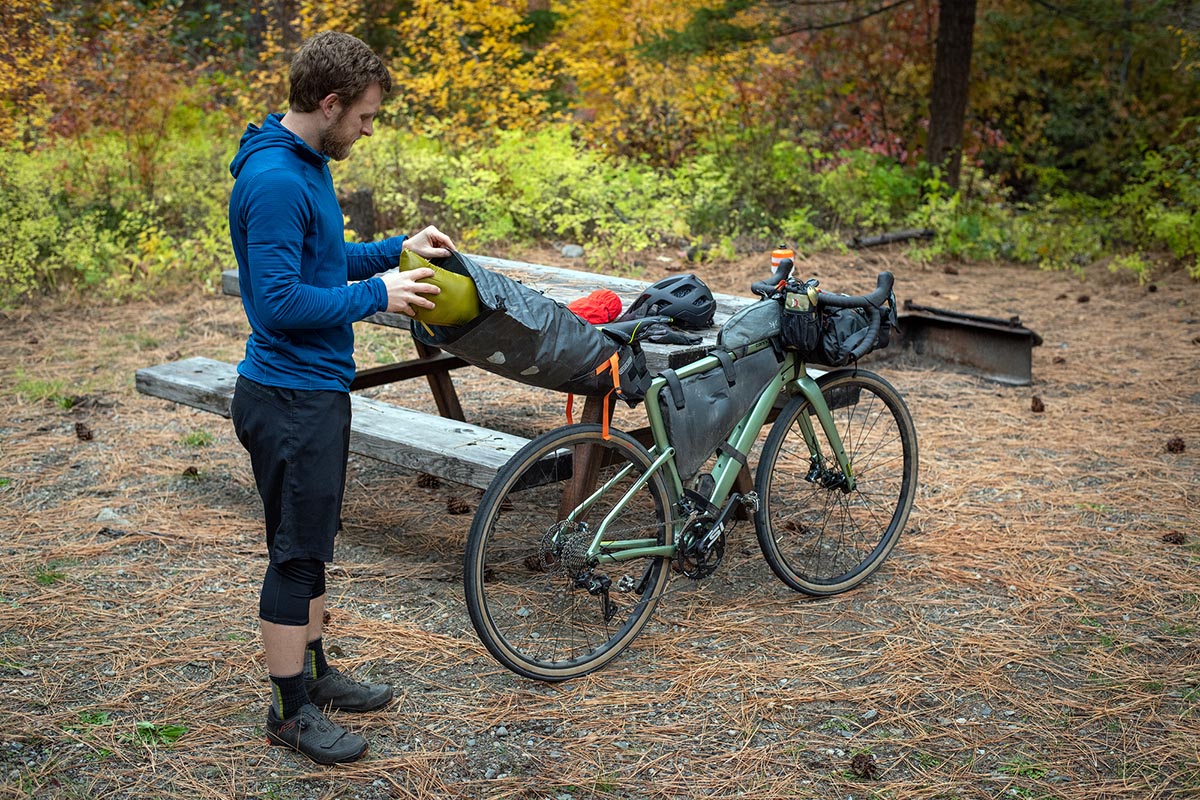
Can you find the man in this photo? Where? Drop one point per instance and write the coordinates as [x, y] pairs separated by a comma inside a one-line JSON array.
[[291, 406]]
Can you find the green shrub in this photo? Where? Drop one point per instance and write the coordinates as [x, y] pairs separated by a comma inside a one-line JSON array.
[[524, 188], [80, 216], [1159, 210], [714, 204], [864, 193], [965, 226], [1051, 237], [30, 220], [1133, 264], [753, 186], [547, 186], [407, 177], [801, 228]]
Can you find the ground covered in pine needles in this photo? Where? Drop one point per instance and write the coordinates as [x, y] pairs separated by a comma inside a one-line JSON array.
[[1036, 633]]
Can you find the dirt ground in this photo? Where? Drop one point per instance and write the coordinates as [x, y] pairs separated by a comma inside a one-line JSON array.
[[1036, 634]]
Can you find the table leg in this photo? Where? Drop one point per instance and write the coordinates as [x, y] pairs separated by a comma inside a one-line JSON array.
[[440, 384], [594, 407], [586, 459]]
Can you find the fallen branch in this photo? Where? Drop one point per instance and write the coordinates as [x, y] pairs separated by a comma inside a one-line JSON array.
[[889, 238]]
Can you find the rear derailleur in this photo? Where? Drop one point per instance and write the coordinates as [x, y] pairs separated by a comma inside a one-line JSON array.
[[598, 586], [563, 550]]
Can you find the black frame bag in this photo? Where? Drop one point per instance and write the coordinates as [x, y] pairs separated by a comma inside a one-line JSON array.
[[523, 335], [701, 410]]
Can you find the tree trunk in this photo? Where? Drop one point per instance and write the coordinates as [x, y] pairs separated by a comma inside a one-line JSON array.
[[951, 77]]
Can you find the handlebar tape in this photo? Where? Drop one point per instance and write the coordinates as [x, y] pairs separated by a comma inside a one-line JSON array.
[[765, 288], [883, 290]]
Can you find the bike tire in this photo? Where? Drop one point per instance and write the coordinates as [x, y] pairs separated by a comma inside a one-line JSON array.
[[822, 541], [520, 577]]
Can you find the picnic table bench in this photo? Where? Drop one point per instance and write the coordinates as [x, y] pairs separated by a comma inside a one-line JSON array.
[[445, 444]]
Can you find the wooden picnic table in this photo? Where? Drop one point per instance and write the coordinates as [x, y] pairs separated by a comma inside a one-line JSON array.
[[445, 445]]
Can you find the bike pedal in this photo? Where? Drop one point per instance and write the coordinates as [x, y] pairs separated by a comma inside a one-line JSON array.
[[750, 500]]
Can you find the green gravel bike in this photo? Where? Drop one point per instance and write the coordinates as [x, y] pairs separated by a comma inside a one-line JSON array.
[[574, 541]]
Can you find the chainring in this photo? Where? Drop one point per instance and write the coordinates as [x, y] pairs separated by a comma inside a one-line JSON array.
[[694, 563]]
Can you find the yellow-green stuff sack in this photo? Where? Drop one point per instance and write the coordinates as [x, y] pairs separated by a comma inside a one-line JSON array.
[[458, 302]]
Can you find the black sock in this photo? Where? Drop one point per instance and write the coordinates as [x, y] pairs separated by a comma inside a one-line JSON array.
[[288, 694], [315, 665]]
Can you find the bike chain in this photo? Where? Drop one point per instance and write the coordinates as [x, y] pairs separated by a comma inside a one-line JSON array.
[[571, 558]]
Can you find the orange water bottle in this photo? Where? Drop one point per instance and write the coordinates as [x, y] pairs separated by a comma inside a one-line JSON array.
[[779, 254]]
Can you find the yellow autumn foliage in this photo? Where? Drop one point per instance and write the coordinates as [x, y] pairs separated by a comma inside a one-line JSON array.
[[463, 73], [31, 60], [1189, 48], [643, 104]]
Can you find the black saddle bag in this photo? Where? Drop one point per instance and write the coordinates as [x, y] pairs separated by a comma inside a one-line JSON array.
[[523, 335]]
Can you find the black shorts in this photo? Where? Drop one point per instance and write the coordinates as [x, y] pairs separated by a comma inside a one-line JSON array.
[[298, 442]]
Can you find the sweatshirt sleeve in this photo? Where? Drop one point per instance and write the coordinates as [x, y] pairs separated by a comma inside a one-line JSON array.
[[277, 216], [364, 259]]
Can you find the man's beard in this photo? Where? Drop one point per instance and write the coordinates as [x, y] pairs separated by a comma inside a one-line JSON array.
[[335, 144]]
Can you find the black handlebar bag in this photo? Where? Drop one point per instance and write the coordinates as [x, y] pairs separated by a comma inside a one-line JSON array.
[[523, 335], [825, 334], [843, 330]]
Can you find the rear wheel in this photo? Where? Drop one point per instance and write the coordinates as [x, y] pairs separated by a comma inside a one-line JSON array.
[[542, 605], [817, 538]]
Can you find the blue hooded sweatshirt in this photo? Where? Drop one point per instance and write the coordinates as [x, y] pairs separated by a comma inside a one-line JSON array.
[[294, 264]]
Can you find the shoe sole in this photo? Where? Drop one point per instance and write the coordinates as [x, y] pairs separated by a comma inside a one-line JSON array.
[[280, 743]]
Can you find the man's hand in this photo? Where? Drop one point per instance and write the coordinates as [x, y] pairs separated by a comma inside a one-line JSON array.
[[430, 243], [405, 290]]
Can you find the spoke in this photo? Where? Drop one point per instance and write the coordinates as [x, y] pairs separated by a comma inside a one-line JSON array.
[[822, 540], [544, 607]]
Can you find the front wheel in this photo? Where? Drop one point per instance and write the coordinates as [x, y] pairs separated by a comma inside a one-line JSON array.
[[817, 538], [546, 599]]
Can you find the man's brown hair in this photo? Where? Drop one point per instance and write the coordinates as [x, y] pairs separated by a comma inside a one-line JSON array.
[[334, 63]]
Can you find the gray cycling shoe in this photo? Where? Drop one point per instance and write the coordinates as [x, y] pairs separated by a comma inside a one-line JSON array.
[[310, 732], [338, 691]]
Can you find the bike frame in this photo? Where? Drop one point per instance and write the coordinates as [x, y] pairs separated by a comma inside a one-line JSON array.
[[791, 379]]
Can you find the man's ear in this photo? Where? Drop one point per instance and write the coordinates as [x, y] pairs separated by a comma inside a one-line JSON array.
[[329, 105]]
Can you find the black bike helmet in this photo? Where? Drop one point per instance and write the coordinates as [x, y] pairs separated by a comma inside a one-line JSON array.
[[683, 298]]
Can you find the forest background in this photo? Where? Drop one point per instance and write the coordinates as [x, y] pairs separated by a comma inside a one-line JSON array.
[[717, 125]]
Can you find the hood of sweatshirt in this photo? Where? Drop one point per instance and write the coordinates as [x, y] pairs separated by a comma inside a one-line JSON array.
[[272, 134]]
